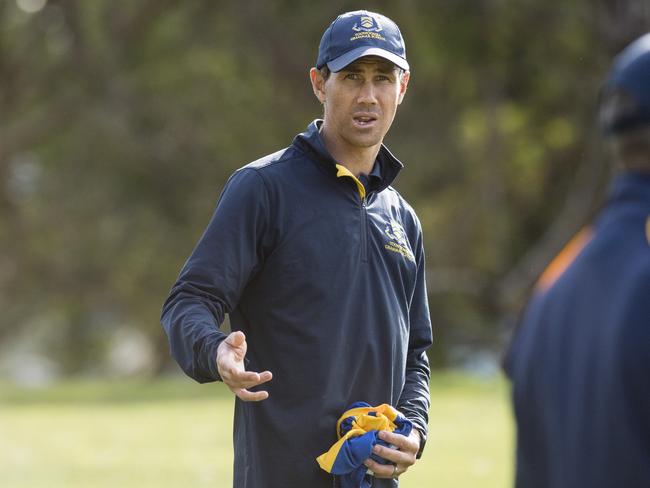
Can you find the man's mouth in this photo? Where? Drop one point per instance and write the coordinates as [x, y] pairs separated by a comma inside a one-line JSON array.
[[364, 120]]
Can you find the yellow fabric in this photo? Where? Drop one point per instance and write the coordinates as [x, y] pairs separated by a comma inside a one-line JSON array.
[[363, 423], [326, 460], [343, 171], [386, 411]]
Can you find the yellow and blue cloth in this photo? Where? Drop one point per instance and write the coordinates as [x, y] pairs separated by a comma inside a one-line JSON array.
[[357, 430]]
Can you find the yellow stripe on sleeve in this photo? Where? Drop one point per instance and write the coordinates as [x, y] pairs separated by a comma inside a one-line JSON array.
[[563, 260]]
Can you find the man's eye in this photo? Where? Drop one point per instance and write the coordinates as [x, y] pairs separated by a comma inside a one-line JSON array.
[[352, 76]]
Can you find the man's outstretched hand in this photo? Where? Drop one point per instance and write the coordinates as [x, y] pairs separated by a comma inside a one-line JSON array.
[[230, 364]]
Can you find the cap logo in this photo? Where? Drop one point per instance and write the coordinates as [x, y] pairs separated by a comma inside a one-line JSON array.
[[367, 28], [368, 24]]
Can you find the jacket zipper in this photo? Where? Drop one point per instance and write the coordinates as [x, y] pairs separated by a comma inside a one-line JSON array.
[[364, 230], [342, 171]]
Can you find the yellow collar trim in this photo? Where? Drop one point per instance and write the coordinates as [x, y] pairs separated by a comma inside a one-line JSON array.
[[343, 171]]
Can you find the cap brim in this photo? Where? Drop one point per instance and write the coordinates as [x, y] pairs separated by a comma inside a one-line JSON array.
[[342, 61]]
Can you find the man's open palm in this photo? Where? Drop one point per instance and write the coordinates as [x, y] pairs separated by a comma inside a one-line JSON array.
[[230, 364]]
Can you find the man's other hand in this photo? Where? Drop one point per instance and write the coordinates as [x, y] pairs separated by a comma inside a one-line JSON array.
[[230, 364], [403, 455]]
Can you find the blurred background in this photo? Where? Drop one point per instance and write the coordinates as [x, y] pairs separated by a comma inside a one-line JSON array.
[[121, 121]]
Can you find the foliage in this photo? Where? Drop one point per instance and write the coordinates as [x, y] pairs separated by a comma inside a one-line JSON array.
[[121, 122]]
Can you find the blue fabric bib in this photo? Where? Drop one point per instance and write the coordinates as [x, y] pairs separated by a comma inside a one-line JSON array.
[[357, 431]]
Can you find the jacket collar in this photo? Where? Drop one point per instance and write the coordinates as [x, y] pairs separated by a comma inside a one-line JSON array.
[[311, 141]]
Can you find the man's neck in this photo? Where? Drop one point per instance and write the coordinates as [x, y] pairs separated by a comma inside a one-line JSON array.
[[359, 160]]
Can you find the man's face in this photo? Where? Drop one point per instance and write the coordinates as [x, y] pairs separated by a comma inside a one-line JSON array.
[[360, 101]]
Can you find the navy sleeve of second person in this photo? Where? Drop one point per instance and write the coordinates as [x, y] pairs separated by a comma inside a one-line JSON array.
[[226, 257]]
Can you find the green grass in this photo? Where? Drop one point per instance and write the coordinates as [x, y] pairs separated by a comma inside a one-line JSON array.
[[174, 433]]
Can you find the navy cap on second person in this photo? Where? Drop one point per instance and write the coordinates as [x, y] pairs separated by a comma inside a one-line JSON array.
[[630, 75]]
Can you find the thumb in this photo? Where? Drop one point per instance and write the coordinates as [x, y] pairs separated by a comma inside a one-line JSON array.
[[236, 339]]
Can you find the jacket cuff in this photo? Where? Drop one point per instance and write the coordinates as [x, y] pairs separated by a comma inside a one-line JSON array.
[[208, 357], [423, 431], [423, 441]]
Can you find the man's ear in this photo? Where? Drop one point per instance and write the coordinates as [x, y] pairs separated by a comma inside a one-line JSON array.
[[403, 85], [317, 84]]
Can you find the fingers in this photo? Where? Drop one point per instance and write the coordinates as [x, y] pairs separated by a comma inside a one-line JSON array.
[[403, 443], [393, 455], [244, 379], [401, 455], [240, 388], [242, 391], [250, 396], [385, 470]]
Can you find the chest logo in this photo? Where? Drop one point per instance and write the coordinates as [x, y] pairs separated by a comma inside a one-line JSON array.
[[398, 242]]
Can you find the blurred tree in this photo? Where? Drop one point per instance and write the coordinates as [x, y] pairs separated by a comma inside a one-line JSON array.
[[119, 124]]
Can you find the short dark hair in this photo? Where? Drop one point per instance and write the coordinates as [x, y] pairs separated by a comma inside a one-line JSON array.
[[325, 72]]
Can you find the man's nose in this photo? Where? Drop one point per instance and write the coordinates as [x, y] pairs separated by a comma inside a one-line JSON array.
[[367, 93]]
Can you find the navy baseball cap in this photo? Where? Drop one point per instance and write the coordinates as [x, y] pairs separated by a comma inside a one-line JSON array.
[[630, 74], [361, 33]]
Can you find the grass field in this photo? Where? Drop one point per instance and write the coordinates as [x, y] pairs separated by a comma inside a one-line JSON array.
[[174, 433]]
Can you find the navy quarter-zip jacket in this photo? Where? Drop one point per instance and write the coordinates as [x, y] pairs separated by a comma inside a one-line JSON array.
[[580, 360], [327, 282]]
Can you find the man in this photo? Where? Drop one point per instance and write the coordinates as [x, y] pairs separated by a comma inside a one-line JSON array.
[[580, 361], [320, 264]]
